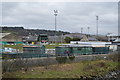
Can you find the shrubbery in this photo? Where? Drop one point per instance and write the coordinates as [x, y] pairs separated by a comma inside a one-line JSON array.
[[61, 59], [71, 58]]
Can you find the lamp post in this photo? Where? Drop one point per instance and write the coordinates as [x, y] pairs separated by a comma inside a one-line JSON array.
[[55, 13], [81, 30], [97, 25], [88, 30]]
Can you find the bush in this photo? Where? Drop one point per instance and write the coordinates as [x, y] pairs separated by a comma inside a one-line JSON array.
[[115, 57], [68, 39], [71, 58], [76, 39], [61, 59]]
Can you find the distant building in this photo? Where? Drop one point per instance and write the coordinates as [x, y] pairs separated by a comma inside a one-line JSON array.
[[34, 49], [43, 38], [113, 37], [84, 39], [10, 38], [74, 35], [3, 35], [57, 39], [92, 39], [87, 39], [35, 39], [60, 39]]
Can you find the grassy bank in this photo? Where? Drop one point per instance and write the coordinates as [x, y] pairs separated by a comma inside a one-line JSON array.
[[73, 70]]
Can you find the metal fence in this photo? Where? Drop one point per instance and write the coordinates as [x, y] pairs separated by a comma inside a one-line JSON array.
[[50, 51], [9, 65], [24, 55]]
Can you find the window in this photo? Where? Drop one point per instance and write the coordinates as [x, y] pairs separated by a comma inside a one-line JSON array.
[[79, 48]]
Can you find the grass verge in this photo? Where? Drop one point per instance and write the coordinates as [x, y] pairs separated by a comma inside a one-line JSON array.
[[67, 70]]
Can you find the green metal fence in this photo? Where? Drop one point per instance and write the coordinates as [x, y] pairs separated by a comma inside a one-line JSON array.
[[24, 55]]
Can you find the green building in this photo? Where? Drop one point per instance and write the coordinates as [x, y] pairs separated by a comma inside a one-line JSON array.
[[34, 49], [43, 38], [36, 39], [80, 50], [73, 50]]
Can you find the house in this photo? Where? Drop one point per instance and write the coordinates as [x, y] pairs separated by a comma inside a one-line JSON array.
[[82, 37]]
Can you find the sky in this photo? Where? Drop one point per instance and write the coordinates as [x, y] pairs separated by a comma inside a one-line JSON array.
[[72, 16]]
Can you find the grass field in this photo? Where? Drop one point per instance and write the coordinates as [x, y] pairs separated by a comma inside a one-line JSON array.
[[67, 70], [19, 46], [48, 46]]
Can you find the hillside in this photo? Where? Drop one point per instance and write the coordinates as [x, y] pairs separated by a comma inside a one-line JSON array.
[[20, 31], [24, 32]]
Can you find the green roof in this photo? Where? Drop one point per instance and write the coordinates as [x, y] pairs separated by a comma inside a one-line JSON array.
[[19, 42], [3, 42]]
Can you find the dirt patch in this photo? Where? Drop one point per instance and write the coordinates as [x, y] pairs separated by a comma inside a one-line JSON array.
[[101, 64], [59, 67], [87, 68]]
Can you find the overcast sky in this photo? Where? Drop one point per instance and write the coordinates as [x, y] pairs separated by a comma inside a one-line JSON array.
[[71, 16]]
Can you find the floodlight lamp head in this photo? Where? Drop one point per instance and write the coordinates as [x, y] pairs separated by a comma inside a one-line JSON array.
[[96, 17], [55, 14], [55, 11]]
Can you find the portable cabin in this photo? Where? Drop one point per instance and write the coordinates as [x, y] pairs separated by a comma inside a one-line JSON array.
[[34, 49], [118, 47], [73, 50], [100, 50], [117, 44], [80, 50]]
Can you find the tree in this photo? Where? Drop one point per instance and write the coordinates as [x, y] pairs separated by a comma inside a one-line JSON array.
[[76, 39], [67, 39]]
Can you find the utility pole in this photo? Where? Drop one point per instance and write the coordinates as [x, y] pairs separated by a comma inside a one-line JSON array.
[[55, 13], [97, 25]]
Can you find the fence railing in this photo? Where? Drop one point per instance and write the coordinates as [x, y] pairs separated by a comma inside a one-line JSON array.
[[9, 65], [50, 51]]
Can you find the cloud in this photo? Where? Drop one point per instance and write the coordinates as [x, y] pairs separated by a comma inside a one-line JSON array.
[[71, 15]]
